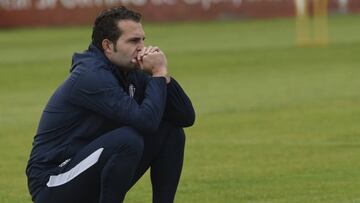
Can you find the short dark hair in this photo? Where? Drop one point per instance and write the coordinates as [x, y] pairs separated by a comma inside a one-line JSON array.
[[105, 26]]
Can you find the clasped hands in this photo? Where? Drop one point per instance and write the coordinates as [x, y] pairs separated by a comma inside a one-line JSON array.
[[153, 61]]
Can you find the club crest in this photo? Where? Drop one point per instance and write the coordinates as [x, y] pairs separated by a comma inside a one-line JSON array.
[[132, 90]]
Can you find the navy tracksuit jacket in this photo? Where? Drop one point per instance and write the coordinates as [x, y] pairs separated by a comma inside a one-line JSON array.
[[96, 98]]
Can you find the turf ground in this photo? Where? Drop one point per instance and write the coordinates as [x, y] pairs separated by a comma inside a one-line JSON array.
[[275, 123]]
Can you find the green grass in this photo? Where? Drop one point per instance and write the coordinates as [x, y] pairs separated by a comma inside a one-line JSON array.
[[275, 122]]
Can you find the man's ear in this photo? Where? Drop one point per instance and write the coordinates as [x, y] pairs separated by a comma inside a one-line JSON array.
[[108, 46]]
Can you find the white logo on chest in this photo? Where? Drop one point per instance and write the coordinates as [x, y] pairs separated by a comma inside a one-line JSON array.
[[131, 90]]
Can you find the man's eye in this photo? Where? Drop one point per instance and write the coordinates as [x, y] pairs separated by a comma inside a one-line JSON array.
[[134, 40]]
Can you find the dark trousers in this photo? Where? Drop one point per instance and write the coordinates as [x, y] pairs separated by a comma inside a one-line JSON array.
[[108, 167]]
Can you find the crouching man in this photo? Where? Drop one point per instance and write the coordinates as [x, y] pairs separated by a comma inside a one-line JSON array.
[[117, 114]]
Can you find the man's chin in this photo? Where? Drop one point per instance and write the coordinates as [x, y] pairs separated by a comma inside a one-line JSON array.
[[134, 66], [129, 67]]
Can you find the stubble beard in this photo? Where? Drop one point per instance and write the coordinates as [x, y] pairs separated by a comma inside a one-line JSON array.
[[129, 66]]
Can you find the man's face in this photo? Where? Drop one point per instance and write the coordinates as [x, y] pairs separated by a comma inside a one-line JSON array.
[[128, 45]]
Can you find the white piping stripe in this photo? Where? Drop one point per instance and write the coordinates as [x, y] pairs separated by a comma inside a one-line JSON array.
[[57, 180]]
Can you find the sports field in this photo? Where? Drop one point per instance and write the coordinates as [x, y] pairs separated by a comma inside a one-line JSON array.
[[275, 123]]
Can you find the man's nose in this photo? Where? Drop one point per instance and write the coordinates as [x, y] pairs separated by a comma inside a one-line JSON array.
[[140, 46]]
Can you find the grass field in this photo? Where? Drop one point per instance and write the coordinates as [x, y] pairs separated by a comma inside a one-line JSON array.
[[275, 123]]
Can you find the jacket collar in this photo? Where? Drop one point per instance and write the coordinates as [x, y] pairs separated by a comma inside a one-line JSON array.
[[97, 53]]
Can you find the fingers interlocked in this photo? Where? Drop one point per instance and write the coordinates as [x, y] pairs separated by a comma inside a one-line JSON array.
[[146, 51]]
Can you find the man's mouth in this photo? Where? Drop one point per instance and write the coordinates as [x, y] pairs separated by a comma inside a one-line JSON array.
[[134, 60]]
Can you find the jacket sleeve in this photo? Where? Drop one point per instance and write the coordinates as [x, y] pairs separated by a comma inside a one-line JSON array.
[[179, 109], [102, 94]]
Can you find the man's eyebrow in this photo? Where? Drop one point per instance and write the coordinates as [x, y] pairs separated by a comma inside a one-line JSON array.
[[136, 38]]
